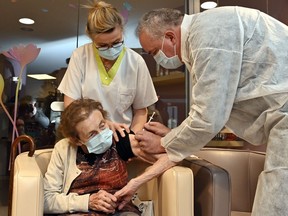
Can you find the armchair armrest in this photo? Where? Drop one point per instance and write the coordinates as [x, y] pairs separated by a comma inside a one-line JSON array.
[[175, 192], [27, 195], [172, 192], [212, 188]]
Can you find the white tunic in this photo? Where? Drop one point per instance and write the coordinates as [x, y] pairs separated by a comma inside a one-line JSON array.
[[131, 88], [238, 61]]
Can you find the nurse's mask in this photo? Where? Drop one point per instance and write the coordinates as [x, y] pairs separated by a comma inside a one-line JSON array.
[[167, 62], [112, 52], [101, 142]]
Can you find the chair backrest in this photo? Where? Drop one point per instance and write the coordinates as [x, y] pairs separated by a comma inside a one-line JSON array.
[[28, 175], [57, 106], [42, 158], [244, 168]]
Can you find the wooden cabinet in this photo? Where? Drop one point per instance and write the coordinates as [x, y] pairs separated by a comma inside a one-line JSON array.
[[175, 77]]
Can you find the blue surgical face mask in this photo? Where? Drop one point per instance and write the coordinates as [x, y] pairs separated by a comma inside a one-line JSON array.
[[111, 53], [101, 142], [167, 62]]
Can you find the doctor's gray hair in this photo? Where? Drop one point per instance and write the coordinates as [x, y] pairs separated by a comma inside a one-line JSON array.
[[157, 21]]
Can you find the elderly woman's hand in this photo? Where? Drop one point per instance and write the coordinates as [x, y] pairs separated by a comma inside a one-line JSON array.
[[102, 201], [114, 126]]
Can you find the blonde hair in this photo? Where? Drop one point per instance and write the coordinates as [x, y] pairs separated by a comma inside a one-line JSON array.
[[102, 18]]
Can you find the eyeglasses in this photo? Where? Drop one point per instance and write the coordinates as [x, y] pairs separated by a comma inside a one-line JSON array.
[[114, 45]]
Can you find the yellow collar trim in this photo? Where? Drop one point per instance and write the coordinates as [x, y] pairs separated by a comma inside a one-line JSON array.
[[107, 77]]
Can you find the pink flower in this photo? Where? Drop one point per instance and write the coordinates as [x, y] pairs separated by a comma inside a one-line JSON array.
[[23, 54]]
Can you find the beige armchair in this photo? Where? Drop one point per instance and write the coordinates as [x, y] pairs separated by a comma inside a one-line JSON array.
[[225, 181], [172, 192]]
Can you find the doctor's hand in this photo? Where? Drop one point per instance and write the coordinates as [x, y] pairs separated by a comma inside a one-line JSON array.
[[102, 201], [157, 128], [120, 127], [149, 142], [125, 194]]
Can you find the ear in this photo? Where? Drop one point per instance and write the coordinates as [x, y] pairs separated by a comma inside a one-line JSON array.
[[171, 35]]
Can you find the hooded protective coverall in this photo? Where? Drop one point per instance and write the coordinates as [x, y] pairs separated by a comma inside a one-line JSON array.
[[238, 62]]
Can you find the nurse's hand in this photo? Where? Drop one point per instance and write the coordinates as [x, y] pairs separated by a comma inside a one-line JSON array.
[[149, 142], [120, 127], [157, 128]]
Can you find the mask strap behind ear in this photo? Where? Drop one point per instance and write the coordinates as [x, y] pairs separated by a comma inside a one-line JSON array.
[[175, 49], [163, 42]]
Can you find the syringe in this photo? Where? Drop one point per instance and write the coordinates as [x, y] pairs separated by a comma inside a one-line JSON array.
[[151, 117]]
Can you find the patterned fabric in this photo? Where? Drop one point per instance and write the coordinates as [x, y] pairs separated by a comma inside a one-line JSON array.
[[101, 172]]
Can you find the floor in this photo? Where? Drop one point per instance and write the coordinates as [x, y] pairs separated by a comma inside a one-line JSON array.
[[4, 188]]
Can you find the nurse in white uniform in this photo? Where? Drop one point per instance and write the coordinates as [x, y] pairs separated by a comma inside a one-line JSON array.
[[107, 71]]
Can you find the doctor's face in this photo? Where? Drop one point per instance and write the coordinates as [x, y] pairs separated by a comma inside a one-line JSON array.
[[152, 46]]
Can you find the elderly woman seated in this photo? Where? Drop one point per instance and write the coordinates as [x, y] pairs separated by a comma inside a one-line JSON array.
[[88, 166]]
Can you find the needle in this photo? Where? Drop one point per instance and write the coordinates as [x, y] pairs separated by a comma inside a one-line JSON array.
[[150, 119]]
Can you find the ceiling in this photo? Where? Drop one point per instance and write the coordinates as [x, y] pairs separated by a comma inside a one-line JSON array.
[[276, 9], [60, 26]]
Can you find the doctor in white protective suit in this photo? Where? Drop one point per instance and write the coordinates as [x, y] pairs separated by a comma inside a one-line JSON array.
[[238, 61]]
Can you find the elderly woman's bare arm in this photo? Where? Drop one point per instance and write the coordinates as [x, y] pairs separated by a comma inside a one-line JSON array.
[[161, 165]]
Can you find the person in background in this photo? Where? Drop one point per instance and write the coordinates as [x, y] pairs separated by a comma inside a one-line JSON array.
[[88, 166], [108, 71], [238, 65], [28, 110], [33, 122]]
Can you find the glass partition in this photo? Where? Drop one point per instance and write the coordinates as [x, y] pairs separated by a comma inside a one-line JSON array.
[[59, 28]]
